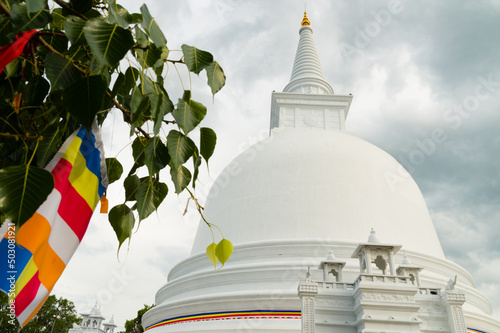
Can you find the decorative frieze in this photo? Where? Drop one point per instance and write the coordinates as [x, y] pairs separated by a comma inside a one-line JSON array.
[[331, 303], [387, 298]]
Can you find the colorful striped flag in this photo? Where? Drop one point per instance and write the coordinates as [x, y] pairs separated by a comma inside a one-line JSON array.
[[33, 258]]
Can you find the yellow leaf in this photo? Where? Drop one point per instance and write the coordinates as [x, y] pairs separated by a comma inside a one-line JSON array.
[[211, 254], [224, 250]]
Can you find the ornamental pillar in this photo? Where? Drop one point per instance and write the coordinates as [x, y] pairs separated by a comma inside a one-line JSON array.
[[307, 292], [453, 301]]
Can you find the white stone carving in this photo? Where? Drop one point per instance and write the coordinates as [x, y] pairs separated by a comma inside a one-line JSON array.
[[388, 298]]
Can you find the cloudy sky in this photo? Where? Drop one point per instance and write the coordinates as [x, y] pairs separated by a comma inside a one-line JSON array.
[[415, 69]]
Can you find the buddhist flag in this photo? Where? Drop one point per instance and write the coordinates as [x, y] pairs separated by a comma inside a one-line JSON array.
[[33, 258]]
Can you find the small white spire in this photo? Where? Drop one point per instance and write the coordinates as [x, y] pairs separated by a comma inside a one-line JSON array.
[[373, 237], [331, 256], [406, 260]]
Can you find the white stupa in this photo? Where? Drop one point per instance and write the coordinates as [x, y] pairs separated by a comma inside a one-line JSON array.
[[298, 208]]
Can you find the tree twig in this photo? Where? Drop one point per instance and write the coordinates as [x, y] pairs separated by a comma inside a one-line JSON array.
[[53, 50], [48, 46], [180, 61], [21, 136], [126, 114], [68, 8], [4, 8]]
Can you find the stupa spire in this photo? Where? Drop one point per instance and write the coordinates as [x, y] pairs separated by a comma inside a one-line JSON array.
[[305, 20], [307, 74], [308, 100]]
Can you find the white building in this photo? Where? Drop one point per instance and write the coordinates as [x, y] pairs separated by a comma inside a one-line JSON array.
[[93, 322], [298, 207]]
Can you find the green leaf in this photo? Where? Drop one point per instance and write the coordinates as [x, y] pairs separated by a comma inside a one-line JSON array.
[[47, 148], [114, 168], [81, 6], [151, 56], [24, 21], [119, 14], [197, 163], [152, 28], [34, 6], [208, 139], [131, 76], [59, 44], [180, 147], [58, 19], [120, 81], [166, 106], [131, 185], [149, 197], [180, 176], [122, 220], [36, 90], [196, 60], [224, 250], [83, 99], [73, 29], [156, 155], [138, 153], [5, 29], [108, 42], [22, 190], [189, 114], [211, 254], [136, 18], [215, 77], [139, 110], [60, 71]]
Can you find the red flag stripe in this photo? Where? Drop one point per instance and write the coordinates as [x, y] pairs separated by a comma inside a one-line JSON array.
[[27, 294]]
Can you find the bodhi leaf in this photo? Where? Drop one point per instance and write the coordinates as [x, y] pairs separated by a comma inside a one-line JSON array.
[[36, 90], [60, 71], [208, 139], [81, 6], [189, 113], [215, 77], [138, 153], [131, 185], [83, 99], [155, 155], [108, 42], [152, 28], [150, 195], [180, 147], [48, 147], [224, 250], [211, 254], [122, 220], [34, 6], [24, 20], [181, 177], [196, 164], [22, 190], [196, 60], [119, 14], [159, 113], [73, 29], [114, 168]]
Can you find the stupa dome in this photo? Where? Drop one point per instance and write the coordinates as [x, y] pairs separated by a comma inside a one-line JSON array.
[[297, 207], [316, 184]]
